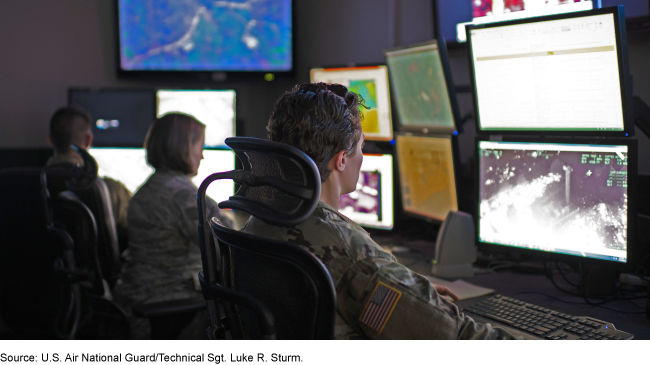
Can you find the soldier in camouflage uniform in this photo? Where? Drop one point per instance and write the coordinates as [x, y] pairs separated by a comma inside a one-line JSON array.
[[377, 298], [164, 255], [71, 125]]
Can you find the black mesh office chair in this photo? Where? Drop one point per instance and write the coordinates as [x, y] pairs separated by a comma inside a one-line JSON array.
[[269, 289], [46, 267]]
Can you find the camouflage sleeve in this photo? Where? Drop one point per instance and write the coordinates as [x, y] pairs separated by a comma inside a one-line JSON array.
[[120, 197], [385, 300]]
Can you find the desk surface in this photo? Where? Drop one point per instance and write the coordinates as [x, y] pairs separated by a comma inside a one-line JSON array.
[[628, 316]]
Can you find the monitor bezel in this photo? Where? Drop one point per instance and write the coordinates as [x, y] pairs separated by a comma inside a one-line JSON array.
[[455, 156], [211, 76], [234, 121], [623, 73], [150, 91], [449, 82], [352, 68], [632, 249]]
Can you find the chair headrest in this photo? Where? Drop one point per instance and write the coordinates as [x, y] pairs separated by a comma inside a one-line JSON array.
[[280, 184]]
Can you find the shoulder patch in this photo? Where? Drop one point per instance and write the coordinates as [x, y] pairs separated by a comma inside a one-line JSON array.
[[380, 306]]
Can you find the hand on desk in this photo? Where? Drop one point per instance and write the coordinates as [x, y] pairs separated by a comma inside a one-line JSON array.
[[446, 292]]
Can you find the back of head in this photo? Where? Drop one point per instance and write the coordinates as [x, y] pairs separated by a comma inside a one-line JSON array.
[[69, 126], [169, 140], [319, 119]]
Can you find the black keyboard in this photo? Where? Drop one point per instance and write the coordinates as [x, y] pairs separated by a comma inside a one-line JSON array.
[[543, 322]]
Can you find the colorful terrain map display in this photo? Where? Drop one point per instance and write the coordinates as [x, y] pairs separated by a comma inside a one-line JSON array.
[[198, 35], [427, 176], [368, 91], [420, 89]]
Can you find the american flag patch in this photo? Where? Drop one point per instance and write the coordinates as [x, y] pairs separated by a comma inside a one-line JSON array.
[[380, 307]]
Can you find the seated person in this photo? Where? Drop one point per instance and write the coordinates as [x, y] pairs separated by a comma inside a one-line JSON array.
[[324, 121], [71, 126], [164, 253]]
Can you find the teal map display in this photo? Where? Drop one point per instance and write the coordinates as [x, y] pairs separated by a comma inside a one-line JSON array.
[[368, 91], [420, 89], [199, 35]]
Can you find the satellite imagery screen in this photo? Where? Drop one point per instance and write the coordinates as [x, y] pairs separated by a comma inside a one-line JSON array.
[[427, 175], [200, 35], [420, 89], [570, 199]]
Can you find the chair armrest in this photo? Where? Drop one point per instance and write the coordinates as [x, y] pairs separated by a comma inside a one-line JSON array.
[[172, 307]]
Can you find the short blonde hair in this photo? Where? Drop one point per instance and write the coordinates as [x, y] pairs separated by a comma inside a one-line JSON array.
[[169, 140]]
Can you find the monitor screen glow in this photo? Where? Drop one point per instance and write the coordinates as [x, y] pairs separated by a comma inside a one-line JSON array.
[[372, 84], [554, 75], [214, 108], [129, 166], [371, 204], [426, 170], [564, 198], [420, 89], [492, 11], [120, 118], [188, 35]]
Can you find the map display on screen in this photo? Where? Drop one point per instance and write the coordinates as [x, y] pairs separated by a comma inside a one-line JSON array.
[[191, 35], [426, 169], [420, 90], [371, 83]]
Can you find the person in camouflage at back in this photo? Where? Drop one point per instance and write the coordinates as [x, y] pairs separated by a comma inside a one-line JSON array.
[[377, 298]]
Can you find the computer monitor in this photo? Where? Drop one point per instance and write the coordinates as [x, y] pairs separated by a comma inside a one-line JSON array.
[[372, 84], [129, 166], [492, 11], [563, 74], [422, 88], [187, 37], [562, 200], [120, 117], [214, 108], [371, 204], [427, 176]]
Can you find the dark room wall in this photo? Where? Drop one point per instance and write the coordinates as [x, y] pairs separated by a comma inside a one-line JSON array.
[[49, 46]]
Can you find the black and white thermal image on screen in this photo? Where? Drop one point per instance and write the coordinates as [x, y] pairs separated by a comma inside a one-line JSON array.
[[562, 198]]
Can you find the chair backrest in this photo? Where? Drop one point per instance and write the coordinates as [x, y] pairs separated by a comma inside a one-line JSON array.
[[288, 289], [29, 285], [291, 282]]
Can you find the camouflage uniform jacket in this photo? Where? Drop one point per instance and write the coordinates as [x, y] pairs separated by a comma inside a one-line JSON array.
[[360, 268], [163, 250]]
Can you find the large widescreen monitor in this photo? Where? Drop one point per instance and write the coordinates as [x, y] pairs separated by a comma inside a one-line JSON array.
[[427, 176], [491, 11], [214, 108], [371, 204], [563, 74], [372, 84], [568, 199], [129, 166], [423, 89], [208, 36], [120, 117]]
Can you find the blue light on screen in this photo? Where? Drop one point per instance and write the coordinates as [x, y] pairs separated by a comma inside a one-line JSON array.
[[187, 35]]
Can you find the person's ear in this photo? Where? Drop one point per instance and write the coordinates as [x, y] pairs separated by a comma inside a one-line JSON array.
[[339, 160], [89, 140], [49, 141]]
